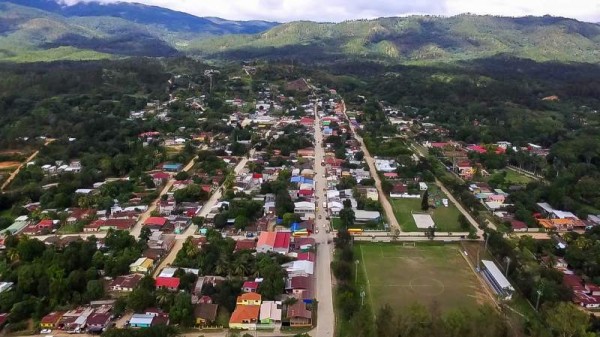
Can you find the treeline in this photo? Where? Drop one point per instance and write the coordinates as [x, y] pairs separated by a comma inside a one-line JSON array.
[[217, 257], [49, 276]]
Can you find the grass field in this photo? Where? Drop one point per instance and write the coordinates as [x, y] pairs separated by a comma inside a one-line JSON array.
[[517, 178], [336, 223], [401, 275], [445, 218]]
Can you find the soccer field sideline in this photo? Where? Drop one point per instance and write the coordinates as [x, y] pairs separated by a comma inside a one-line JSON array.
[[417, 276]]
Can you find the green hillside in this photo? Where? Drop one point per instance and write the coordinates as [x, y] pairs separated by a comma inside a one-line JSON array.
[[416, 39], [31, 34]]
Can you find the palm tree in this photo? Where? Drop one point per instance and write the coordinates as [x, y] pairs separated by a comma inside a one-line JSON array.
[[13, 255], [222, 267], [162, 297], [239, 267]]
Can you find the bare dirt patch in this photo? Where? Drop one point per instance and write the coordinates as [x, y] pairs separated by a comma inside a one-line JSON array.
[[9, 164]]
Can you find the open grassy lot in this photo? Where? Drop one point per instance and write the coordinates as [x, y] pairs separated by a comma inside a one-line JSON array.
[[445, 218], [427, 273], [513, 177]]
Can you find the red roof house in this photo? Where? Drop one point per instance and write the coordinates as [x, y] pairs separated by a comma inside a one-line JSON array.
[[170, 283], [274, 241], [476, 148], [306, 256], [45, 224], [155, 222], [247, 244], [250, 287], [97, 321], [305, 193]]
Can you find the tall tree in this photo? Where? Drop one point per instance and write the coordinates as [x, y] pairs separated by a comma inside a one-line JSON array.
[[425, 201], [347, 217]]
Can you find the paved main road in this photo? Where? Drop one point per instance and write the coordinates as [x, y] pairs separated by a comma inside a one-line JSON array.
[[326, 321], [387, 207]]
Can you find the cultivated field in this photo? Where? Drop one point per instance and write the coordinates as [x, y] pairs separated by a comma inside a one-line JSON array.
[[428, 274]]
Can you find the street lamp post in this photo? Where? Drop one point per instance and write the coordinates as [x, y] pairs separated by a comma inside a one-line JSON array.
[[537, 302], [356, 271]]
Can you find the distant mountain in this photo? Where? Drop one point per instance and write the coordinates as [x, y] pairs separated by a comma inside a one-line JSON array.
[[415, 39], [150, 15], [43, 30]]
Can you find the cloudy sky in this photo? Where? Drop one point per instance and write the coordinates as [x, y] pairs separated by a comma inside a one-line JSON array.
[[339, 10]]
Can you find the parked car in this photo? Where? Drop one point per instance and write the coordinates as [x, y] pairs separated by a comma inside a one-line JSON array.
[[43, 331]]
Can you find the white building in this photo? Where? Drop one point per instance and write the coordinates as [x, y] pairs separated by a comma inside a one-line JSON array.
[[306, 210]]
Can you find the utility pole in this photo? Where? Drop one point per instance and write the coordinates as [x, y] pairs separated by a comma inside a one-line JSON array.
[[487, 237], [478, 261], [507, 265], [537, 302], [362, 296], [356, 271]]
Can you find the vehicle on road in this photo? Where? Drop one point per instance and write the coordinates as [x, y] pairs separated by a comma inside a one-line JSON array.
[[43, 331]]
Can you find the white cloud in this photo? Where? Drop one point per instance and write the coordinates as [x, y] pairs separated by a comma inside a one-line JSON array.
[[340, 10]]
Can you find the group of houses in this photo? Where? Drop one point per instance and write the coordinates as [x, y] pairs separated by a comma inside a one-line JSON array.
[[295, 305], [92, 318]]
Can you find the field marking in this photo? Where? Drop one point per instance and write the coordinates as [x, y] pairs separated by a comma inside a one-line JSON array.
[[364, 267]]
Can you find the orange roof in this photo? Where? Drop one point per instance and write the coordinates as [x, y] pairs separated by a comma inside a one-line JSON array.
[[558, 223], [245, 313], [249, 297], [266, 238]]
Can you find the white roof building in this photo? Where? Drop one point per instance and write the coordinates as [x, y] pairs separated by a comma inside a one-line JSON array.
[[299, 268], [270, 310]]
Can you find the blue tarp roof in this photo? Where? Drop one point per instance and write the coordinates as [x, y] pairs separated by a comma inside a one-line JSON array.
[[301, 180]]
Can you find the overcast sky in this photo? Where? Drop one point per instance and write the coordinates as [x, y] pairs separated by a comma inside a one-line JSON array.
[[340, 10]]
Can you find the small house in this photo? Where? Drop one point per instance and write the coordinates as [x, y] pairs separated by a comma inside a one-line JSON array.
[[169, 283], [249, 299], [205, 313], [250, 287], [125, 283], [142, 265], [270, 312], [51, 320], [244, 317]]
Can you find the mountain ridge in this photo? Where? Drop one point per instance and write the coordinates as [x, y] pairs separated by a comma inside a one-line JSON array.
[[417, 39], [46, 31]]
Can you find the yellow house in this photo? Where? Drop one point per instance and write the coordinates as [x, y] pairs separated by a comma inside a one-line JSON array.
[[372, 194], [249, 299], [142, 265], [51, 320]]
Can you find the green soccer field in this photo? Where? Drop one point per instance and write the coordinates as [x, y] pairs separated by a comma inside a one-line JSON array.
[[427, 274]]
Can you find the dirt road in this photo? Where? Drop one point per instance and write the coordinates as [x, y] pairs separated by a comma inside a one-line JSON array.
[[193, 229], [387, 207], [16, 172]]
